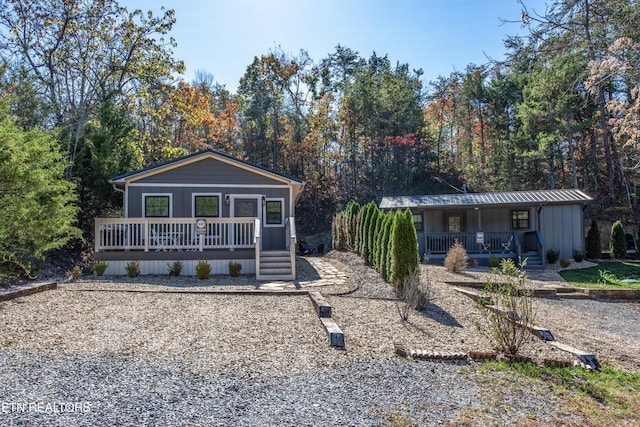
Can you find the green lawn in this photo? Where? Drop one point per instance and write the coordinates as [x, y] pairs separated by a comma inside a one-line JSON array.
[[609, 275]]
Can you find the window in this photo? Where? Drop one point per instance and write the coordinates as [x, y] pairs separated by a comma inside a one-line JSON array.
[[454, 223], [206, 206], [417, 221], [274, 212], [519, 219], [157, 206]]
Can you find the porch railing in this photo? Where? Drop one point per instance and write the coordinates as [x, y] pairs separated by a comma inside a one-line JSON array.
[[291, 242], [169, 234], [497, 243]]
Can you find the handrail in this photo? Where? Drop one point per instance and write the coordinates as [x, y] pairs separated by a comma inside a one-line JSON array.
[[256, 242], [540, 244], [291, 240], [517, 246]]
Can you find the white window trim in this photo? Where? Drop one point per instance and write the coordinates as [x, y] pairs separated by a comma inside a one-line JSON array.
[[264, 214], [144, 203], [193, 203]]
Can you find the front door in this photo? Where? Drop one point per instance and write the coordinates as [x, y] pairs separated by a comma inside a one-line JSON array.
[[244, 207]]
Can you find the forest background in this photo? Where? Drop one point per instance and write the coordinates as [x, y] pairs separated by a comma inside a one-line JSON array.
[[102, 86]]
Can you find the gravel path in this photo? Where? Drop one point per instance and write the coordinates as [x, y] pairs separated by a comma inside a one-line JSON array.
[[70, 357]]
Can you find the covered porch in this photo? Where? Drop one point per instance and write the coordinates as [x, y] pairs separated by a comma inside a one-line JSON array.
[[158, 242], [483, 245]]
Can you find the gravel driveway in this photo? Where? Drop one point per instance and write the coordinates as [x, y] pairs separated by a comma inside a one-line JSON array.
[[71, 357]]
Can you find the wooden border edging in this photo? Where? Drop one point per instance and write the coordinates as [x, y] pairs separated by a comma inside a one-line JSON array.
[[336, 337], [28, 291], [323, 309], [587, 360]]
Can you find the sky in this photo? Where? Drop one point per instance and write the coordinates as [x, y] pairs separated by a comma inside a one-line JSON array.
[[222, 37]]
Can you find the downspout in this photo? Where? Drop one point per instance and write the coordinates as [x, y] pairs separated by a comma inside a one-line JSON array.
[[124, 199]]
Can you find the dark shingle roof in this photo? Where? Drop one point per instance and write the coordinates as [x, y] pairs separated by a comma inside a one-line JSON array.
[[487, 199]]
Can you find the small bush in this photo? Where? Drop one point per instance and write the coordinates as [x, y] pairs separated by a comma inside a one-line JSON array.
[[553, 255], [510, 292], [457, 258], [175, 269], [203, 270], [99, 267], [413, 294], [578, 255], [594, 248], [234, 268], [75, 273], [133, 268], [473, 262], [493, 261], [618, 243], [564, 262]]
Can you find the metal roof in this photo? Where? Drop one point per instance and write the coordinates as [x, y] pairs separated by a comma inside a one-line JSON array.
[[511, 198]]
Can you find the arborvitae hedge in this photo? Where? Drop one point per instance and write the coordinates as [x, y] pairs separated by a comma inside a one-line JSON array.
[[374, 225], [352, 211], [386, 240], [363, 231], [404, 247], [594, 247], [618, 243]]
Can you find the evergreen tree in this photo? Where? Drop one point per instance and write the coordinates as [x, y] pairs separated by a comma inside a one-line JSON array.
[[594, 247], [618, 243], [404, 247], [37, 203]]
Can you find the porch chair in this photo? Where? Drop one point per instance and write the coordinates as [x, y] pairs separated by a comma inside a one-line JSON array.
[[159, 240], [506, 246]]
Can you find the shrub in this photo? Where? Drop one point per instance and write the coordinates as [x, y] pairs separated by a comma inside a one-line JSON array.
[[234, 268], [99, 267], [594, 247], [473, 262], [413, 294], [457, 259], [493, 261], [618, 243], [403, 247], [509, 292], [637, 242], [564, 262], [553, 255], [203, 270], [578, 255], [133, 268], [175, 269], [75, 273]]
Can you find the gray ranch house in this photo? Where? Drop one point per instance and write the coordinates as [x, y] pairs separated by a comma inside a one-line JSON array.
[[517, 224], [204, 206]]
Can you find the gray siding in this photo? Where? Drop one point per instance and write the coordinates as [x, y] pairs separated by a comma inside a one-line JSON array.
[[562, 228], [182, 204], [210, 171]]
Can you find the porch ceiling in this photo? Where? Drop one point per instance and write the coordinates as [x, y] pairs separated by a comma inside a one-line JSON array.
[[513, 198]]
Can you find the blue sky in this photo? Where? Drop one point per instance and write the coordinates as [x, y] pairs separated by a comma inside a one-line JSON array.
[[439, 36]]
